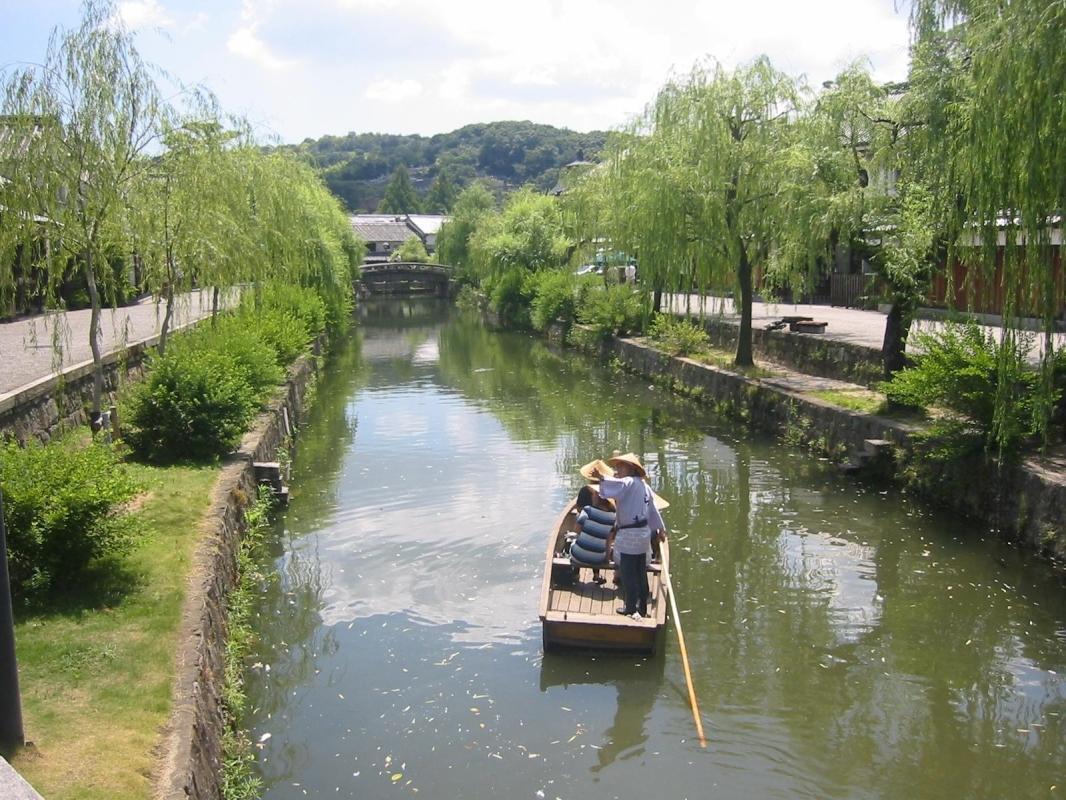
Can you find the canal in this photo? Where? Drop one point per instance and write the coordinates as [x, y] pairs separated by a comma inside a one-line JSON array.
[[845, 641]]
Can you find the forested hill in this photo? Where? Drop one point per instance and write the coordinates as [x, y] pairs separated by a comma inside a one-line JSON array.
[[357, 166]]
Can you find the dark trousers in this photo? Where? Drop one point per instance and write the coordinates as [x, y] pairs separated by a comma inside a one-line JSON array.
[[634, 569]]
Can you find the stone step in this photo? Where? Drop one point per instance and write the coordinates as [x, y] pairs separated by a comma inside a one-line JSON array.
[[877, 447], [808, 326]]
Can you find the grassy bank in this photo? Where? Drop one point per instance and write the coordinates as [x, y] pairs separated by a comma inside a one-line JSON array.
[[97, 666]]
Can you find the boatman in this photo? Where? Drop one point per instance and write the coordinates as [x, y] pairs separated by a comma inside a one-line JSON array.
[[637, 522]]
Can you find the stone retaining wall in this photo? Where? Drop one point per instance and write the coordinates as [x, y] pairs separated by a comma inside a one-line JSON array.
[[62, 400], [812, 354], [191, 751], [1025, 503]]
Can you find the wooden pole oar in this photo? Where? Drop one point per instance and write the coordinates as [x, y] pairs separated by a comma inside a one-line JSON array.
[[684, 651]]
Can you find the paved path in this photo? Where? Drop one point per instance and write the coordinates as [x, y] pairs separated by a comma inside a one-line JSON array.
[[852, 325], [26, 345]]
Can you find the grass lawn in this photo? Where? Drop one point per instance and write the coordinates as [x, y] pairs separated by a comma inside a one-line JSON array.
[[96, 667], [864, 400]]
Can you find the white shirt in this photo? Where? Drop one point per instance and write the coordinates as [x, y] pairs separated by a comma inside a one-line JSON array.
[[633, 504]]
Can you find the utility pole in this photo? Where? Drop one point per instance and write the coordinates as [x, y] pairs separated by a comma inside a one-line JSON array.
[[11, 734]]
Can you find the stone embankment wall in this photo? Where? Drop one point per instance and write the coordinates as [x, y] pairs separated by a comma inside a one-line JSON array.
[[807, 353], [191, 751], [1025, 503], [61, 401]]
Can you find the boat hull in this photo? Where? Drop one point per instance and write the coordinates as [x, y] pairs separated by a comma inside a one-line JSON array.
[[578, 614]]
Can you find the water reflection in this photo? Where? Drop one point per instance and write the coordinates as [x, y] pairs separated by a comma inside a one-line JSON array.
[[845, 642]]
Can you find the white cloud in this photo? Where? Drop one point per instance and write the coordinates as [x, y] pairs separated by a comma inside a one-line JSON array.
[[246, 42], [137, 14], [393, 91]]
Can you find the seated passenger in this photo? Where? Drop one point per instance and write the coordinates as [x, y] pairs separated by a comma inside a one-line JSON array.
[[595, 519]]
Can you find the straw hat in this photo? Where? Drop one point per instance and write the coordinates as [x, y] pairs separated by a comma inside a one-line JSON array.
[[600, 466], [630, 459]]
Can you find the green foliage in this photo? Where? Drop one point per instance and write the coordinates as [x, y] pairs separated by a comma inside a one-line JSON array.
[[510, 296], [553, 298], [528, 234], [441, 195], [696, 185], [235, 339], [63, 508], [195, 403], [453, 240], [287, 318], [303, 303], [400, 196], [411, 251], [965, 371], [617, 310], [678, 336]]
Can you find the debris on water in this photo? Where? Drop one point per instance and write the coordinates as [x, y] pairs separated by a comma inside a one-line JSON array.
[[264, 737]]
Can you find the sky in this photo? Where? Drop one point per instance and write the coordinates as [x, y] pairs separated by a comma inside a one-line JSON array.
[[305, 68]]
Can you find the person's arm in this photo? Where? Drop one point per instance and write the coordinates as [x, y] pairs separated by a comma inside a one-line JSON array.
[[612, 487]]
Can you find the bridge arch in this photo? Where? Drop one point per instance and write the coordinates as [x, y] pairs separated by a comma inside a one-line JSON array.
[[404, 277]]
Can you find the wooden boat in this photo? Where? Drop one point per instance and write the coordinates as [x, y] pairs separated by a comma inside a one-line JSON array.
[[578, 613]]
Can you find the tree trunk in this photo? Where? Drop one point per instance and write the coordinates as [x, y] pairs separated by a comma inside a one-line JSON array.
[[168, 315], [214, 305], [94, 341], [894, 346], [657, 301], [744, 357]]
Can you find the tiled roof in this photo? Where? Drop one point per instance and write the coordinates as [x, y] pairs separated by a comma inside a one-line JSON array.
[[381, 228]]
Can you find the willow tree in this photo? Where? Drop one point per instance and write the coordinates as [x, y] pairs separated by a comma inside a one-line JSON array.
[[865, 189], [88, 117], [1002, 148], [453, 241], [527, 234], [187, 219], [695, 186]]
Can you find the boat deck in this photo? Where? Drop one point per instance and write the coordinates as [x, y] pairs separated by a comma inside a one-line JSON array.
[[584, 597]]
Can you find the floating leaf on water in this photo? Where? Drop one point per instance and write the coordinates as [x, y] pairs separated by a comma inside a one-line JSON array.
[[396, 776], [265, 736]]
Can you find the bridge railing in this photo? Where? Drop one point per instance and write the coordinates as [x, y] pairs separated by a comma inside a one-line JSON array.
[[406, 266]]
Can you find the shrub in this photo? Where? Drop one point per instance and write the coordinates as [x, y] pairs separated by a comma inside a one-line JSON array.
[[553, 298], [678, 336], [616, 310], [194, 403], [959, 370], [234, 338], [63, 507], [283, 331], [411, 251], [303, 303], [509, 296]]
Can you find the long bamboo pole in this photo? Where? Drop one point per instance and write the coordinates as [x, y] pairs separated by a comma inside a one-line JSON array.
[[684, 650]]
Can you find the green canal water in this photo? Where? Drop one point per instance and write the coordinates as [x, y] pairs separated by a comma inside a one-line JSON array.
[[845, 641]]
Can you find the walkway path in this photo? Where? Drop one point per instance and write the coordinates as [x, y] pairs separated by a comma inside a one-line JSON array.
[[852, 325], [26, 345]]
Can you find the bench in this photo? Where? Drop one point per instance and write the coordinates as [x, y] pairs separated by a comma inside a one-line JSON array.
[[809, 326]]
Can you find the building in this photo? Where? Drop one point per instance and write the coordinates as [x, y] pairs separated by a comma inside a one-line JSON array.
[[384, 233]]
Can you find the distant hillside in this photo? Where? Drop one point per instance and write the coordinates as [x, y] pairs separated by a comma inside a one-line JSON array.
[[356, 167]]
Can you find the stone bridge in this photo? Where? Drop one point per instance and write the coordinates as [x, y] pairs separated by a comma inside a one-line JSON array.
[[401, 277]]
